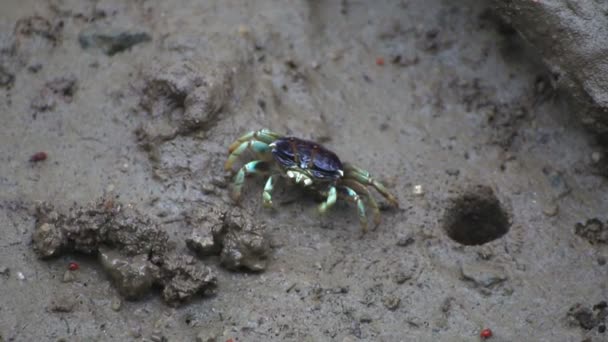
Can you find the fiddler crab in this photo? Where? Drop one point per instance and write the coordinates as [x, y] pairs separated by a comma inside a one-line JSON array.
[[308, 164]]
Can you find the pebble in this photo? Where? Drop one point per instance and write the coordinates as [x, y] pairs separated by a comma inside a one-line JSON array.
[[365, 318], [5, 271], [243, 31], [417, 190], [596, 157], [452, 172], [550, 209], [68, 277], [20, 276], [391, 302], [401, 277], [405, 240], [63, 304], [157, 336], [116, 304]]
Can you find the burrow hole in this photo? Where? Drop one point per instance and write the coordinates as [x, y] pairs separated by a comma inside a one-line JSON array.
[[476, 217]]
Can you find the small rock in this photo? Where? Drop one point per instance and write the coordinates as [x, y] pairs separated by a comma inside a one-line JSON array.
[[111, 41], [596, 157], [48, 240], [132, 276], [5, 271], [405, 240], [116, 304], [452, 172], [244, 31], [365, 318], [68, 277], [63, 304], [20, 276], [483, 274], [157, 336], [550, 209], [417, 190], [401, 277], [391, 302]]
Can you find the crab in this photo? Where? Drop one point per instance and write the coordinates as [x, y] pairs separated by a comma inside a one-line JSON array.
[[308, 164]]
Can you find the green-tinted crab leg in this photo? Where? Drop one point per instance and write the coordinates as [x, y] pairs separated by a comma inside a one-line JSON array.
[[362, 176], [363, 191], [260, 148], [353, 196], [256, 166], [332, 196], [263, 135], [267, 194]]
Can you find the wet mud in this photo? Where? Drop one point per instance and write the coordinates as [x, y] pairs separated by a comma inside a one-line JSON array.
[[115, 212]]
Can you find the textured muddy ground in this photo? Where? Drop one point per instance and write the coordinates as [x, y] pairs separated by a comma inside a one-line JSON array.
[[502, 222]]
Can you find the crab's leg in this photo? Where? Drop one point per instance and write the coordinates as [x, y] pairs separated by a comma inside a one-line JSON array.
[[362, 176], [260, 149], [353, 196], [253, 167], [332, 196], [263, 135], [363, 191], [267, 194]]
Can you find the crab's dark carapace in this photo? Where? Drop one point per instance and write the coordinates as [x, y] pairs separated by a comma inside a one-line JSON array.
[[307, 155]]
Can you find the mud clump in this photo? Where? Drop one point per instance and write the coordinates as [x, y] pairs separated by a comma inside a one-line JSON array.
[[132, 249], [181, 98], [105, 223], [594, 231], [182, 278], [62, 88], [38, 26], [476, 217], [586, 318], [240, 243]]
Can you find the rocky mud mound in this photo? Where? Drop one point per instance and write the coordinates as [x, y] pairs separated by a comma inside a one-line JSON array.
[[133, 250], [234, 236]]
